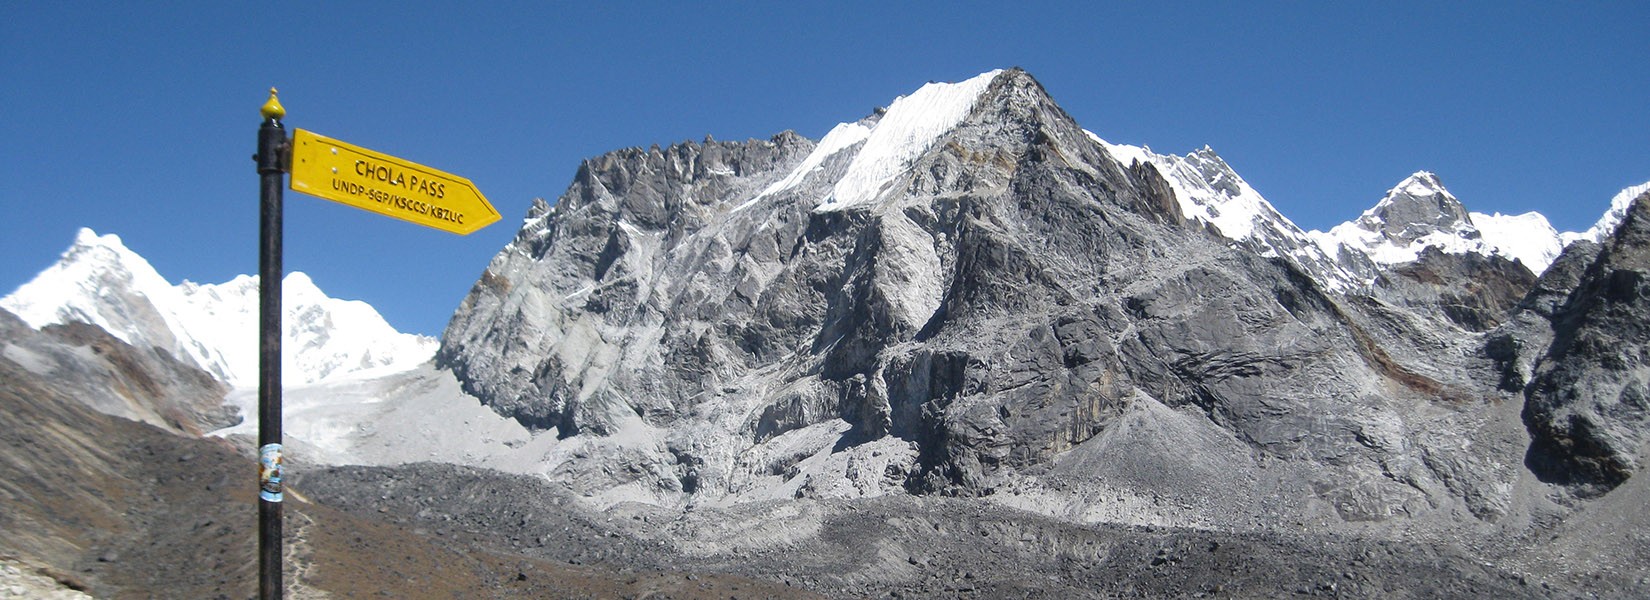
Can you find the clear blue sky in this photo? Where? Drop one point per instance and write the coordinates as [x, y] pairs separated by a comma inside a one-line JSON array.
[[140, 120]]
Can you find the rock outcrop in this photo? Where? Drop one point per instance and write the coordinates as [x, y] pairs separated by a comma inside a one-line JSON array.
[[1588, 406]]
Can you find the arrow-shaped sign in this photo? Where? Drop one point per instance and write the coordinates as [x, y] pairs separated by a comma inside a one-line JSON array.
[[368, 180]]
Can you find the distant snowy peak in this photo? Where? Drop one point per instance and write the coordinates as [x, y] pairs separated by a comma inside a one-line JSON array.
[[1210, 191], [1606, 224], [1416, 208], [884, 146], [97, 281], [1414, 215], [324, 338], [101, 282], [1419, 213], [1206, 188]]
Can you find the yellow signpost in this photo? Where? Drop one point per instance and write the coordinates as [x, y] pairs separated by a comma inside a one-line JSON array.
[[395, 187], [348, 174]]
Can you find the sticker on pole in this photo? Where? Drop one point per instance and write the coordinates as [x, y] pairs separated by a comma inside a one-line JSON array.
[[348, 174], [269, 472]]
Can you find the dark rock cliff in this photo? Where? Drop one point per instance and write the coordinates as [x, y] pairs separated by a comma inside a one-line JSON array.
[[1588, 407]]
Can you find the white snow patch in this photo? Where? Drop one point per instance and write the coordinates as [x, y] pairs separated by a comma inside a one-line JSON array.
[[908, 129], [1529, 238], [1125, 154], [841, 137], [1606, 224], [1384, 251]]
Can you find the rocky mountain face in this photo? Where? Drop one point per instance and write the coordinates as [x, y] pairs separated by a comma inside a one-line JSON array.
[[107, 490], [114, 378], [108, 505], [98, 281], [1587, 404], [968, 294]]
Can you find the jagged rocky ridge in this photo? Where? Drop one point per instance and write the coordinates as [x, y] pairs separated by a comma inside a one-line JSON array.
[[1016, 309], [1211, 192]]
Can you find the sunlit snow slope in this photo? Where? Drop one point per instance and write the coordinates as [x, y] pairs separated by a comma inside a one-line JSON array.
[[101, 282]]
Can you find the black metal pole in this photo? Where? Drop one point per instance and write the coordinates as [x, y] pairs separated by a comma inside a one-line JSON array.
[[272, 145]]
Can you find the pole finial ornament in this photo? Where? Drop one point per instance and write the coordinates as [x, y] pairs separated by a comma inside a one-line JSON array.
[[272, 109]]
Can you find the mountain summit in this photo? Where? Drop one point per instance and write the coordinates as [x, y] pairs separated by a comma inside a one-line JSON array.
[[1209, 191], [1419, 213], [1415, 214], [215, 327], [967, 293], [1418, 206]]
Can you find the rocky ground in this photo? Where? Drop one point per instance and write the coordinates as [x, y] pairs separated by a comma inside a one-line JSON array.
[[101, 505], [900, 546], [21, 581], [109, 507]]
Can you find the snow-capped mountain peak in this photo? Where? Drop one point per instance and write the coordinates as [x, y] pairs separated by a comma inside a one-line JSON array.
[[1208, 190], [101, 282], [887, 143], [1419, 213], [214, 326], [1416, 208], [1420, 184], [1607, 224], [1415, 214]]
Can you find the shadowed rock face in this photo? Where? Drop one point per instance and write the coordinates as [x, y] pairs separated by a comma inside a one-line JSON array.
[[1588, 407], [1472, 291], [114, 378], [1014, 303]]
